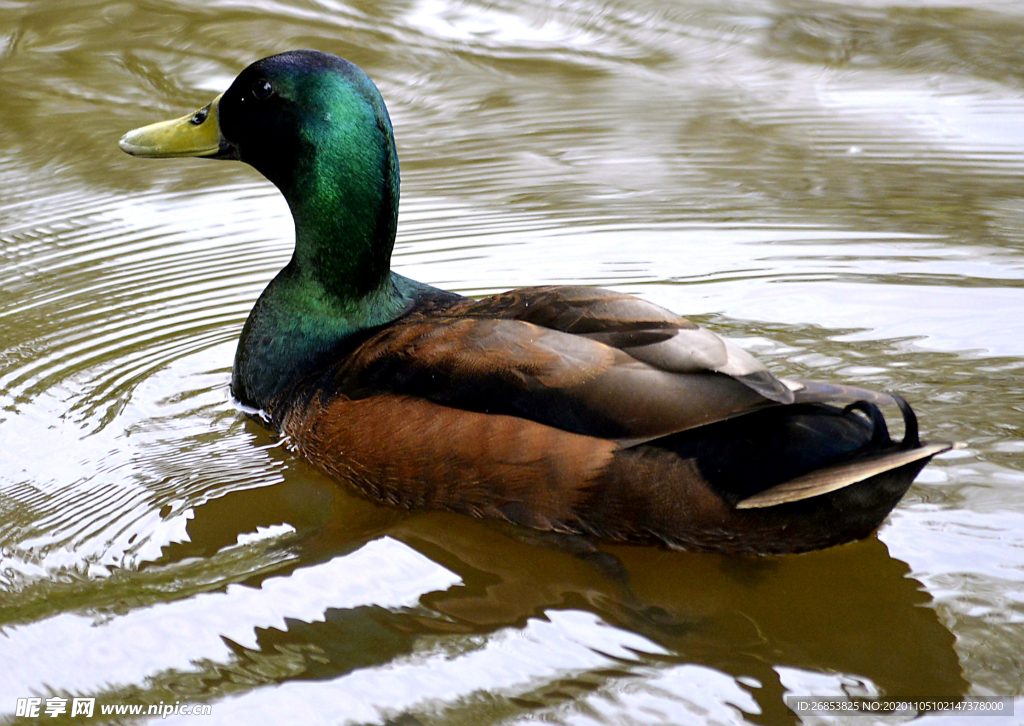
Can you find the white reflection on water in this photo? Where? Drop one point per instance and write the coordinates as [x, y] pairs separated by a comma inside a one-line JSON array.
[[982, 124], [80, 654], [686, 695], [491, 26], [96, 497], [937, 541], [460, 677]]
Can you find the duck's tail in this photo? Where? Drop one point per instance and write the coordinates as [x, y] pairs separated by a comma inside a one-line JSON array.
[[882, 455]]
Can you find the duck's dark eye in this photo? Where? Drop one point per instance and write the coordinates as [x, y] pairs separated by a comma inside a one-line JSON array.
[[262, 90], [200, 116]]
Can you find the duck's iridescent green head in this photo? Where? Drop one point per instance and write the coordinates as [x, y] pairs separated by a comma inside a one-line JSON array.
[[287, 114], [316, 126]]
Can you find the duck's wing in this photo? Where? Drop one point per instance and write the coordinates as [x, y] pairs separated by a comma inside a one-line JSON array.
[[582, 359], [585, 360], [644, 331], [507, 366], [659, 337]]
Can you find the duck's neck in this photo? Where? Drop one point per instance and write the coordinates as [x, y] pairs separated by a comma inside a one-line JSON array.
[[345, 208], [338, 281]]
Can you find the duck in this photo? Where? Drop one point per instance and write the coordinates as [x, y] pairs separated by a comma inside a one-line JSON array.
[[567, 409]]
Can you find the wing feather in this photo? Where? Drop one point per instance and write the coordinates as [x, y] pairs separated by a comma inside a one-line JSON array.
[[513, 367], [840, 476], [585, 360], [645, 331]]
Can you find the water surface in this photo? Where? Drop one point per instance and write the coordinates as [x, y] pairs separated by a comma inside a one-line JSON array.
[[836, 186]]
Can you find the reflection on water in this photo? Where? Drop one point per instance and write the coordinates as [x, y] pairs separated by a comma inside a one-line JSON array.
[[835, 186]]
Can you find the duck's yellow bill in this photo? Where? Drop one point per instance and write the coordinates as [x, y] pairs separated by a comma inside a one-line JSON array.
[[197, 134]]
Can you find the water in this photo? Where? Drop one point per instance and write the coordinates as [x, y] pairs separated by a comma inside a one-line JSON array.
[[835, 186]]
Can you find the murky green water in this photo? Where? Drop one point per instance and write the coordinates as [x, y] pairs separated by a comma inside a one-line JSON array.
[[838, 186]]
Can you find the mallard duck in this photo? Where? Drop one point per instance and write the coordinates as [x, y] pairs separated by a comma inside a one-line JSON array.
[[570, 409]]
